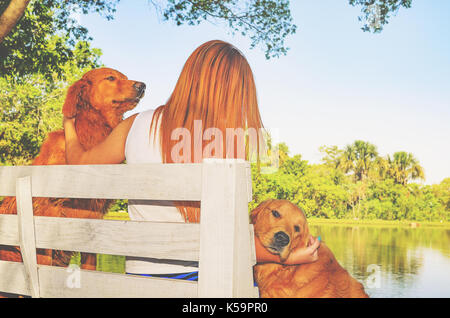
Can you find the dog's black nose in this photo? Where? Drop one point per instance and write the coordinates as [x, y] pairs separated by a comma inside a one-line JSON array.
[[139, 86], [281, 239]]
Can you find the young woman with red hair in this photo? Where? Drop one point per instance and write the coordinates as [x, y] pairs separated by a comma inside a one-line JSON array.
[[215, 90]]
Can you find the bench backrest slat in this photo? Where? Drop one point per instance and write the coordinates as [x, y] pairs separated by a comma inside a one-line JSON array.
[[137, 181]]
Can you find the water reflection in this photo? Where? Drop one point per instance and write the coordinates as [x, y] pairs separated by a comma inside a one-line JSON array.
[[392, 261]]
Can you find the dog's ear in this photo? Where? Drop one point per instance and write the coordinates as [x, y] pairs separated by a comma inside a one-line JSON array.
[[304, 235], [258, 209], [75, 98]]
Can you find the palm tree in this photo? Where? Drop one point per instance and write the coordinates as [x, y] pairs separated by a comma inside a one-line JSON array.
[[404, 167], [382, 167], [359, 158]]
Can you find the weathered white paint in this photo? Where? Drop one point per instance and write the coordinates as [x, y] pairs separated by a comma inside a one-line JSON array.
[[137, 181], [222, 242]]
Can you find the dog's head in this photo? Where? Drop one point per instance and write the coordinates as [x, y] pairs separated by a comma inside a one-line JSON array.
[[280, 226], [107, 91]]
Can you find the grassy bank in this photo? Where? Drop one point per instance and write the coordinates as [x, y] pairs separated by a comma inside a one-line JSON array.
[[112, 263], [123, 216], [402, 223], [312, 221]]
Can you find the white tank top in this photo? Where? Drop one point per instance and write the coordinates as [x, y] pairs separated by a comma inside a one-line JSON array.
[[141, 148]]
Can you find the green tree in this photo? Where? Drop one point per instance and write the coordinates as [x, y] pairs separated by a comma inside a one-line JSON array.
[[442, 192], [25, 49], [46, 37], [404, 167], [332, 156], [31, 107], [373, 192], [294, 166], [283, 153], [266, 22], [358, 158], [11, 15], [375, 14]]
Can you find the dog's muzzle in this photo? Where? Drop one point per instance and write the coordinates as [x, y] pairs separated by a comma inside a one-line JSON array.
[[140, 88], [280, 240]]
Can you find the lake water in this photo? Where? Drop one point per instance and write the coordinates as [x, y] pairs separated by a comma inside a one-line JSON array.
[[392, 261]]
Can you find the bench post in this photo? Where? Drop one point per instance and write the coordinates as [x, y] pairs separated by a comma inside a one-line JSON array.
[[26, 233], [225, 262]]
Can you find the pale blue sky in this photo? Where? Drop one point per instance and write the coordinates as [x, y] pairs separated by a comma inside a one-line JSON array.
[[336, 84]]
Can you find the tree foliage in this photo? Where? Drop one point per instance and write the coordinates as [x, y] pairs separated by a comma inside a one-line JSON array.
[[31, 107], [358, 158], [46, 37], [403, 167], [332, 190], [10, 15], [27, 50], [265, 22], [375, 14]]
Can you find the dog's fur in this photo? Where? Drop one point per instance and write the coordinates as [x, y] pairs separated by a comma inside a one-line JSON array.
[[281, 227], [97, 102]]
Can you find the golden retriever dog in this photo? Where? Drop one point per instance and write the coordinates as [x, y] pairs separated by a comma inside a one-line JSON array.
[[97, 102], [281, 227]]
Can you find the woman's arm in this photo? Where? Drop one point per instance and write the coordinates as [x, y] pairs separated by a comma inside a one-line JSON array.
[[298, 256], [110, 151]]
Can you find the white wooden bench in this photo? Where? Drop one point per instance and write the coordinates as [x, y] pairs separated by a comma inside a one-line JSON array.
[[222, 243]]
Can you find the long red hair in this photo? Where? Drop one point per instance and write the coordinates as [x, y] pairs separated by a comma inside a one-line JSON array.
[[216, 86]]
